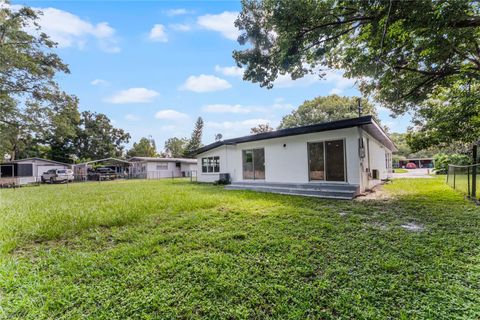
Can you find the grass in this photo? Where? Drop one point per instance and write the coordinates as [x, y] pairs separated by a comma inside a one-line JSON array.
[[170, 249], [399, 170]]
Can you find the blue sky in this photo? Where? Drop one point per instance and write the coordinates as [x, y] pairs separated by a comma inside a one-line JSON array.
[[154, 67]]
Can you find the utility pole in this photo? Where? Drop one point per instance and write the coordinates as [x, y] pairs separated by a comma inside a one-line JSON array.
[[360, 109]]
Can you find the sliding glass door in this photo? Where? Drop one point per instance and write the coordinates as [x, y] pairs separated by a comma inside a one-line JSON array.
[[335, 160], [326, 161], [253, 164], [316, 161]]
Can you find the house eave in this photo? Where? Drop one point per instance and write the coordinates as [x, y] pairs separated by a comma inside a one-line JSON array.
[[320, 127]]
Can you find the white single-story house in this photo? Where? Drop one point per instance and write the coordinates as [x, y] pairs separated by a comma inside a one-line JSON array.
[[337, 159], [158, 168], [29, 170]]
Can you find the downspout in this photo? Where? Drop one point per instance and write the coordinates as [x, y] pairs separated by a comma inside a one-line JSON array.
[[362, 168]]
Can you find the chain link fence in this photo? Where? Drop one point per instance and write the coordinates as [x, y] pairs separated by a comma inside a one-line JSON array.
[[12, 182], [465, 179]]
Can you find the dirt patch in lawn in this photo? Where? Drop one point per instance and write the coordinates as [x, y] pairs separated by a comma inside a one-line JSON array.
[[377, 193]]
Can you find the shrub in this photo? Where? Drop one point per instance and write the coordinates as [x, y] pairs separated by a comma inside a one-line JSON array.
[[442, 161]]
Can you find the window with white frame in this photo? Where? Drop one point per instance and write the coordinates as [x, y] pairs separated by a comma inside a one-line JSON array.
[[162, 166], [211, 164]]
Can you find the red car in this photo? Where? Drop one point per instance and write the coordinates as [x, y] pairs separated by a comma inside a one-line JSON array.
[[411, 165]]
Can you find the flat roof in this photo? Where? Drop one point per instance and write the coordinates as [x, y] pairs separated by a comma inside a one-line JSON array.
[[155, 159], [103, 160], [366, 122], [37, 159]]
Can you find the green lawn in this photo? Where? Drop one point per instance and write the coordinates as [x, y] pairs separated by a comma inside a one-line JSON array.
[[171, 249], [399, 170]]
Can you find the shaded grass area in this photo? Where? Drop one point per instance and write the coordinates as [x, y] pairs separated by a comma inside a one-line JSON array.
[[399, 170], [170, 249]]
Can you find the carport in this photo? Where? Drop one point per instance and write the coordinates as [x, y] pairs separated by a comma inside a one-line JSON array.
[[121, 167]]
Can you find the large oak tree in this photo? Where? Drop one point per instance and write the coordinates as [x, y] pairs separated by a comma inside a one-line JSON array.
[[402, 52], [28, 90], [324, 109]]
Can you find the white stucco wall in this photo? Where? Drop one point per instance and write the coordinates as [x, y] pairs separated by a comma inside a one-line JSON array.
[[287, 164], [154, 173], [225, 165], [188, 167], [376, 153], [40, 166]]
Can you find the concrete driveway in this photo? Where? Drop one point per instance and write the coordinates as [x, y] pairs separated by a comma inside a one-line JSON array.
[[413, 174]]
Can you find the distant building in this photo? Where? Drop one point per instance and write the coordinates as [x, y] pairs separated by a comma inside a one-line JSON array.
[[158, 168], [419, 162], [28, 170], [337, 159]]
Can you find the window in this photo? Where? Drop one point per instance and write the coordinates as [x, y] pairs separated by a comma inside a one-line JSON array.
[[388, 161], [162, 166], [211, 164]]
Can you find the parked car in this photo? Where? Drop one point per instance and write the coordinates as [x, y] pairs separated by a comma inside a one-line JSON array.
[[57, 175], [411, 165], [102, 173]]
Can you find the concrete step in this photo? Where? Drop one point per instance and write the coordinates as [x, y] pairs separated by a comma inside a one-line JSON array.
[[309, 186], [303, 191]]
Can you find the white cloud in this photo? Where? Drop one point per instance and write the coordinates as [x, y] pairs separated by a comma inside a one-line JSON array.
[[238, 108], [226, 108], [180, 27], [237, 125], [178, 12], [99, 82], [205, 83], [170, 114], [69, 30], [335, 91], [133, 95], [232, 71], [286, 81], [223, 23], [339, 81], [158, 33], [132, 117]]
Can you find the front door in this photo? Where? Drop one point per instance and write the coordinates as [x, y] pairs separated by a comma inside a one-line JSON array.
[[253, 164], [326, 161]]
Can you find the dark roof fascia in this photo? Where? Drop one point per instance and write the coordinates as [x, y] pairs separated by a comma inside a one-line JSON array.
[[326, 126], [152, 159], [378, 133]]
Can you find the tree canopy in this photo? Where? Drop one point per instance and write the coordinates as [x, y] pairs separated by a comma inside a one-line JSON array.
[[399, 52], [97, 138], [328, 108], [29, 93], [195, 141], [451, 114], [262, 127], [404, 54], [176, 147], [145, 147], [37, 118]]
